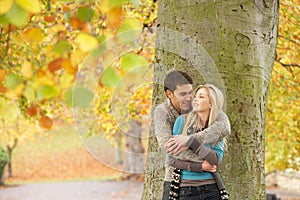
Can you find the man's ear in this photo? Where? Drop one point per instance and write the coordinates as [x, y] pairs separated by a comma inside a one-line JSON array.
[[169, 93]]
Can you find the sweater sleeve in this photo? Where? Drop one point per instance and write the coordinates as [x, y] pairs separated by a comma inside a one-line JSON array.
[[162, 126], [211, 135], [214, 133]]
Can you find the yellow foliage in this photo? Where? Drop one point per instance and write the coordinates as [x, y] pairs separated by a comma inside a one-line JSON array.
[[26, 69], [16, 92], [5, 5], [29, 5], [86, 42], [33, 35]]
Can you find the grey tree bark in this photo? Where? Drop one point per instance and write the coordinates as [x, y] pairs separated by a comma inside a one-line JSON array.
[[232, 45], [134, 156]]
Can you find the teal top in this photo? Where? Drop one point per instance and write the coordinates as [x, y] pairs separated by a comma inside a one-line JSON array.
[[190, 175]]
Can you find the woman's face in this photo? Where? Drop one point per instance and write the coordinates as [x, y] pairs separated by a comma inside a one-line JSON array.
[[201, 102]]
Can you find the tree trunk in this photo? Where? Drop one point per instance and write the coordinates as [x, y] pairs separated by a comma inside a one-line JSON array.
[[118, 150], [9, 152], [134, 156], [230, 44]]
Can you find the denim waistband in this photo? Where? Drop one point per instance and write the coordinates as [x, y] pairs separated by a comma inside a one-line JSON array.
[[202, 187]]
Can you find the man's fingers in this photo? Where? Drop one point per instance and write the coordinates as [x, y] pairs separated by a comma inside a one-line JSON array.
[[171, 148], [170, 142]]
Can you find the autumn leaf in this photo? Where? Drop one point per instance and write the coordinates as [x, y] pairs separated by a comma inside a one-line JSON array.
[[86, 42], [33, 35], [29, 5], [78, 97], [67, 65], [5, 5], [2, 75], [131, 61], [12, 80], [3, 89], [85, 13], [8, 110], [49, 18], [55, 65], [17, 16], [46, 122], [32, 110], [26, 69], [47, 92], [114, 17], [110, 77]]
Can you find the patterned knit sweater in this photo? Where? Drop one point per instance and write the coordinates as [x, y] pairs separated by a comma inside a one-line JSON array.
[[165, 115]]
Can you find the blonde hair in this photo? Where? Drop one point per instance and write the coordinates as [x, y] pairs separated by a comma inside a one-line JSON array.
[[216, 98]]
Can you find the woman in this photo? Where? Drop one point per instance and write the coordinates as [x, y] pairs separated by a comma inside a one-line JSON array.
[[189, 181]]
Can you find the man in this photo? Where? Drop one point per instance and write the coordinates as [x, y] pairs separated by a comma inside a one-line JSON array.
[[178, 89]]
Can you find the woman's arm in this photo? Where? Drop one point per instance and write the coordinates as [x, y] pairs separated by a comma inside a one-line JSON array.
[[213, 158], [214, 133]]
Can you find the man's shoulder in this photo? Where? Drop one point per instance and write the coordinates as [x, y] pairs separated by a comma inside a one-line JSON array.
[[161, 107]]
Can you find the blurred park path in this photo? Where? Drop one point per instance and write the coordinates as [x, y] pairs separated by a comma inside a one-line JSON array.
[[96, 190], [85, 190]]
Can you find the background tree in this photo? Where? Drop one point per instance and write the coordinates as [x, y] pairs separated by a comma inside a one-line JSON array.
[[241, 38], [44, 45], [283, 128]]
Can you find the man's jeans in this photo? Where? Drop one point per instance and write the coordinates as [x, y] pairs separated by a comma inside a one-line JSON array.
[[204, 192]]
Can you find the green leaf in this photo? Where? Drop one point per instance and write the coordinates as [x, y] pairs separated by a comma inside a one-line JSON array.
[[62, 47], [129, 30], [29, 5], [46, 92], [8, 110], [67, 16], [136, 3], [131, 61], [12, 81], [17, 16], [3, 20], [110, 77], [29, 93], [115, 3], [85, 14], [78, 97]]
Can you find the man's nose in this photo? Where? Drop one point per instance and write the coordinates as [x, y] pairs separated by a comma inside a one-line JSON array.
[[189, 97]]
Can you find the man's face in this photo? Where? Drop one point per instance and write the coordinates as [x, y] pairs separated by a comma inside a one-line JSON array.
[[181, 98]]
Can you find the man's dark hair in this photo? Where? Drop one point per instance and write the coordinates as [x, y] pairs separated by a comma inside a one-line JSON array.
[[175, 78]]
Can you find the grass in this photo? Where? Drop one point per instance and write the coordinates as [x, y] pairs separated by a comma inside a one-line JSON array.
[[60, 155]]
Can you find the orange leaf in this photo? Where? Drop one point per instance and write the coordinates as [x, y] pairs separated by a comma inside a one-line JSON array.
[[2, 75], [66, 8], [32, 110], [33, 35], [55, 65], [67, 65], [76, 23], [46, 122], [114, 17], [49, 18], [3, 89]]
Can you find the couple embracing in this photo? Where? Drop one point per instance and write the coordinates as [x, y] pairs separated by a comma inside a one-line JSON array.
[[191, 127]]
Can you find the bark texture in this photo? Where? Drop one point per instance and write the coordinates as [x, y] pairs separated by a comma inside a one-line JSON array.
[[134, 161], [232, 45]]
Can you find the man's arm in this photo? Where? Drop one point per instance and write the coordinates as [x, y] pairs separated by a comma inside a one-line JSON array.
[[162, 126], [192, 166], [214, 133], [212, 159]]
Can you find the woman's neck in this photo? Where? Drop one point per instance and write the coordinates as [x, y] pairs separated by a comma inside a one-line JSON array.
[[204, 116]]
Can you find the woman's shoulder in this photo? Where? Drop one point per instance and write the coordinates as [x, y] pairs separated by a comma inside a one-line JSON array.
[[182, 117]]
